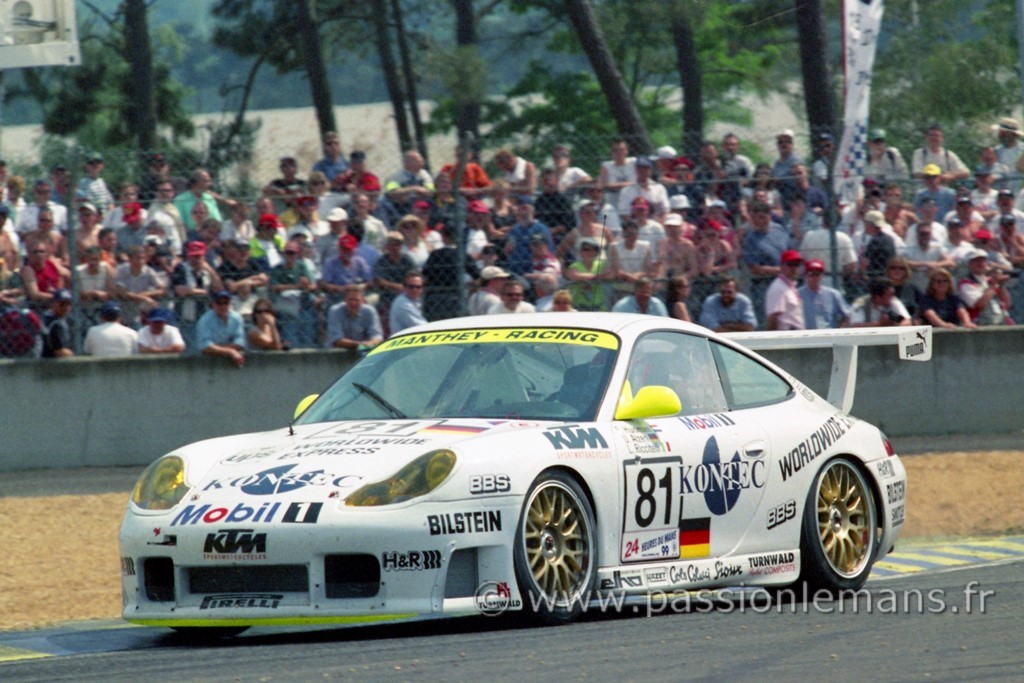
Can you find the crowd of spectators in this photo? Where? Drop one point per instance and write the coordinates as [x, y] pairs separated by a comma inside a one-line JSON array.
[[344, 257]]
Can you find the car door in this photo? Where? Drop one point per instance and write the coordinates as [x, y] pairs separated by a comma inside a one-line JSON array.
[[692, 481]]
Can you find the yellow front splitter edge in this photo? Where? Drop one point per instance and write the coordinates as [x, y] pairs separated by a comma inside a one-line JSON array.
[[274, 621]]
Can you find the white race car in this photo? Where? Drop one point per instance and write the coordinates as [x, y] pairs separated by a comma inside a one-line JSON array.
[[525, 463]]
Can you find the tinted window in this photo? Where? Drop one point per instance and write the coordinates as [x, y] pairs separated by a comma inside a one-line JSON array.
[[746, 382], [683, 363]]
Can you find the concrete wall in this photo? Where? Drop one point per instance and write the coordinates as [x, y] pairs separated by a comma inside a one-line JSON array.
[[105, 412]]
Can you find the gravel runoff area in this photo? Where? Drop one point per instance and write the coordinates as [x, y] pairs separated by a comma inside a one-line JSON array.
[[58, 529]]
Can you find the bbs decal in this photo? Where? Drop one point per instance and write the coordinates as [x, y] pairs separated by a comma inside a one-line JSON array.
[[781, 513], [489, 483]]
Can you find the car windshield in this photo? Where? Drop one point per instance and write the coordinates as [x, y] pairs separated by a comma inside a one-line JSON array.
[[539, 373]]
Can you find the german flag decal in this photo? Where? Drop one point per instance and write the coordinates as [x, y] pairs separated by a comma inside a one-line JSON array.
[[695, 537]]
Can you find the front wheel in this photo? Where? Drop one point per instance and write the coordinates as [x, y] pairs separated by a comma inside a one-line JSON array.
[[555, 558], [840, 537]]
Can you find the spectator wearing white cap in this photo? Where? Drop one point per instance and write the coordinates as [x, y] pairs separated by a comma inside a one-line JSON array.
[[492, 279], [782, 168], [325, 246], [1009, 150], [676, 254]]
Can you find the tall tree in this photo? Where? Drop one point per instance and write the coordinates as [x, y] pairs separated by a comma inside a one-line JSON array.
[[467, 118], [620, 102], [313, 59], [819, 96], [391, 78], [690, 78], [410, 79], [139, 54]]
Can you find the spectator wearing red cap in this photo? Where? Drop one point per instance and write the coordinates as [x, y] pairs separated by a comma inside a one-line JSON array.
[[291, 287], [715, 257], [358, 177], [132, 233], [347, 268], [269, 240], [629, 259], [646, 187], [478, 226], [783, 307], [192, 281], [651, 230], [824, 306]]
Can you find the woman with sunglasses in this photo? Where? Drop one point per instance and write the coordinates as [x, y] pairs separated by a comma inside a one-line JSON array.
[[940, 305]]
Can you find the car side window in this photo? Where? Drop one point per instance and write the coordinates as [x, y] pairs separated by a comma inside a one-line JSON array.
[[681, 362], [746, 382]]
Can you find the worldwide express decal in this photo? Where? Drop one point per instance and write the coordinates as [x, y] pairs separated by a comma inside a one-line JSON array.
[[814, 445], [528, 335]]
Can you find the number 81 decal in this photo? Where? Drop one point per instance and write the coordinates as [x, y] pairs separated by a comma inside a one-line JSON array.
[[651, 507]]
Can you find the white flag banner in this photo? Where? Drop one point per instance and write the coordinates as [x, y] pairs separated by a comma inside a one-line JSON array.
[[862, 20]]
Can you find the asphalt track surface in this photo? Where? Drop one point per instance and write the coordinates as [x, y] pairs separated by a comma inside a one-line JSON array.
[[953, 624]]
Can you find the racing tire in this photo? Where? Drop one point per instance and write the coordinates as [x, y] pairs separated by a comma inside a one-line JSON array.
[[200, 634], [555, 552], [839, 540]]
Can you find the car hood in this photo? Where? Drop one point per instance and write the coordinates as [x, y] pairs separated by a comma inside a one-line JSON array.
[[326, 460]]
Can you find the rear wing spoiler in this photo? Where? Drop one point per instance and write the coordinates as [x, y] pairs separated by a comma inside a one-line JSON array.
[[914, 343]]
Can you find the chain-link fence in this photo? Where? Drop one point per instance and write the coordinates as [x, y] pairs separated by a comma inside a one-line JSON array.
[[159, 230]]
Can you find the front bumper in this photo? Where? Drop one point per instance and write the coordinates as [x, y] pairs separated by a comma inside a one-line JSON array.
[[348, 566]]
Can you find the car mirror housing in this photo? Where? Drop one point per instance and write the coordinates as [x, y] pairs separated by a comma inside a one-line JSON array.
[[649, 401], [303, 404]]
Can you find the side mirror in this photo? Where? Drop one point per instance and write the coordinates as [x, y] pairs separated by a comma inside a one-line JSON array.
[[650, 401], [303, 404]]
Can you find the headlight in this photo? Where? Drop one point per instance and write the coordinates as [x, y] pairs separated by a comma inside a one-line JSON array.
[[422, 475], [162, 485]]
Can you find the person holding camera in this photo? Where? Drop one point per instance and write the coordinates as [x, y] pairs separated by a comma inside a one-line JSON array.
[[983, 291], [879, 307]]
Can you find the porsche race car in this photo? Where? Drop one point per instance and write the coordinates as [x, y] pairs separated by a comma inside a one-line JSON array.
[[528, 464]]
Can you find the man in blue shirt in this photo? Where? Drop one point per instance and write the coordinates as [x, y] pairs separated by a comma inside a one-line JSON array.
[[333, 164], [824, 307], [517, 247], [407, 308], [642, 300], [353, 324], [221, 331], [728, 311]]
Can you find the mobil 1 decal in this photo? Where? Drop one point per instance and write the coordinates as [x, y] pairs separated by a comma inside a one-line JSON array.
[[651, 507]]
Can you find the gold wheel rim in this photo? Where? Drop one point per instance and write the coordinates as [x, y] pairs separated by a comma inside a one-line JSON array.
[[845, 519], [557, 541]]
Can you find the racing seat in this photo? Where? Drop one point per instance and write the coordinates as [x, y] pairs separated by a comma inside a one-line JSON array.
[[579, 387]]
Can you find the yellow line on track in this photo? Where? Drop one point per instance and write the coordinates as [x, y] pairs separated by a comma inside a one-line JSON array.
[[14, 654]]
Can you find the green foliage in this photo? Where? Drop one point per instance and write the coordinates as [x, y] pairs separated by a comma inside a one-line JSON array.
[[946, 64]]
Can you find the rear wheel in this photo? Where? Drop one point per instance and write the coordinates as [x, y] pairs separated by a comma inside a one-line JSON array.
[[555, 558], [840, 537]]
